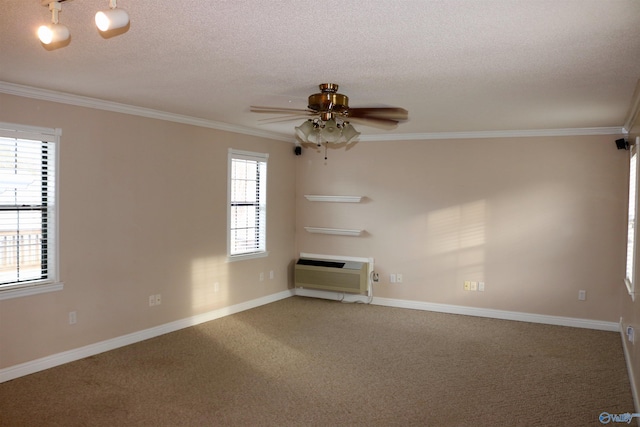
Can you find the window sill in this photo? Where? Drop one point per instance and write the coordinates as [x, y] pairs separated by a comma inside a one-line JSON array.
[[233, 258], [630, 289], [29, 290]]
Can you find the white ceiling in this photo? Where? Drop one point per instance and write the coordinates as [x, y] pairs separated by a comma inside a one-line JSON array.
[[457, 66]]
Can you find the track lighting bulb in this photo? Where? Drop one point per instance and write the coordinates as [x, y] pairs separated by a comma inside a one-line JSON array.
[[112, 19], [53, 32]]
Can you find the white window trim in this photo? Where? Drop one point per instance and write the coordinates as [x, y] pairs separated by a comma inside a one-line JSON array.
[[634, 156], [234, 154], [10, 130]]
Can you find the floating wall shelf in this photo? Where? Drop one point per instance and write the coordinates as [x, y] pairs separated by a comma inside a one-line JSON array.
[[342, 199], [334, 231]]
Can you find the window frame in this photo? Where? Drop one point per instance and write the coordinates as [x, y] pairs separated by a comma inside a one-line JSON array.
[[51, 282], [261, 204], [632, 219]]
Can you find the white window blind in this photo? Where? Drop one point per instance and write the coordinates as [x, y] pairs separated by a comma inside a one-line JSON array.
[[632, 220], [27, 208], [247, 203]]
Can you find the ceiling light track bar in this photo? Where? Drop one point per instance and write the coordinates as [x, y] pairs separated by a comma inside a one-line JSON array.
[[47, 3]]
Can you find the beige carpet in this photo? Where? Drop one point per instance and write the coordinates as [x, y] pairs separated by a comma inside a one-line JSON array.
[[311, 362]]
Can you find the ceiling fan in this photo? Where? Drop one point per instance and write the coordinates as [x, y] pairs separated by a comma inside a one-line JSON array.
[[332, 117]]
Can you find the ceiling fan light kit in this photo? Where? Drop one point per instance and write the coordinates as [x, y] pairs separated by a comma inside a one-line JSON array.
[[331, 131], [331, 124], [106, 20]]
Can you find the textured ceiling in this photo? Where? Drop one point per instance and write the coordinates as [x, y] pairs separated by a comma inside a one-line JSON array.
[[457, 66]]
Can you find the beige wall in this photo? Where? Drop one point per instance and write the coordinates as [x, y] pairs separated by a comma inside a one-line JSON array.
[[142, 212], [536, 219]]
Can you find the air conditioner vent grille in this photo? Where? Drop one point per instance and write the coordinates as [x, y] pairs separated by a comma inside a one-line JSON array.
[[348, 276], [320, 263]]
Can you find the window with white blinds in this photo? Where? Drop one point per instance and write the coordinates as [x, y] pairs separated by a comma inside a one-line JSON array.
[[632, 221], [247, 204], [27, 208]]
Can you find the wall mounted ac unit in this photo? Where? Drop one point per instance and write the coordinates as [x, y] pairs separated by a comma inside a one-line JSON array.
[[332, 275]]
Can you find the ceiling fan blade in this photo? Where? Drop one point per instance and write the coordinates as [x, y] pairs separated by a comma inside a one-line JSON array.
[[278, 110], [381, 112], [376, 122], [283, 119]]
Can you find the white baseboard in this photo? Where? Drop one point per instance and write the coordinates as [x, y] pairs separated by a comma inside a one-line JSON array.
[[627, 358], [467, 311], [499, 314], [47, 362]]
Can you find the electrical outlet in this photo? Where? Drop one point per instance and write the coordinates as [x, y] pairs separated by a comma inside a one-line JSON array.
[[392, 277], [376, 277], [582, 295], [152, 300], [473, 286], [262, 277], [481, 286], [72, 318], [467, 285], [158, 299], [399, 277]]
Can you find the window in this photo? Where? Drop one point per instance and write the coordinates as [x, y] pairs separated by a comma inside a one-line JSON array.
[[247, 204], [28, 220], [632, 221]]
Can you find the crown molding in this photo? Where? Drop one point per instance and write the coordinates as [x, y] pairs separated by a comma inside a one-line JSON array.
[[633, 115], [497, 134], [99, 104], [84, 101]]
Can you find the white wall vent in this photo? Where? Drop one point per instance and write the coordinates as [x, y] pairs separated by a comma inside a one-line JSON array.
[[332, 275]]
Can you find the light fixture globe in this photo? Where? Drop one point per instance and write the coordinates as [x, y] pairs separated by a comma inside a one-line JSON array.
[[330, 132], [349, 133], [316, 137], [112, 19], [53, 33], [304, 130]]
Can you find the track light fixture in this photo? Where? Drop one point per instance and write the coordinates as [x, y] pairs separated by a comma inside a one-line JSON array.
[[106, 20], [54, 32], [112, 19]]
